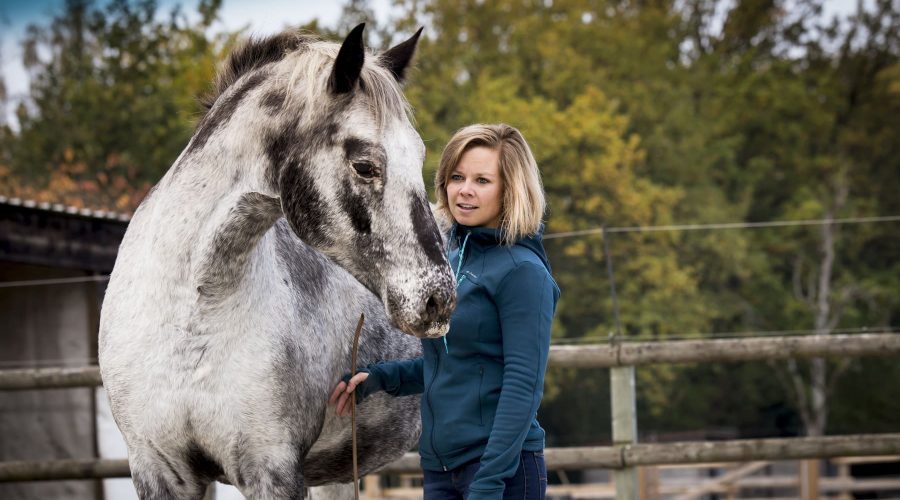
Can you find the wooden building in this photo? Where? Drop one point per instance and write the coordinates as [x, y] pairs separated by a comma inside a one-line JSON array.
[[54, 265]]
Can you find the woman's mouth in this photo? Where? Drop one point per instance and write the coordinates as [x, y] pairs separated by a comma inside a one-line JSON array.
[[465, 207]]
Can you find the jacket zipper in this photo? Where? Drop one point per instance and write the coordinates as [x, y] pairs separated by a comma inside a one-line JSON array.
[[433, 376]]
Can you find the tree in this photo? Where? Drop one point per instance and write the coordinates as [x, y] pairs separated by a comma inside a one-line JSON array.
[[642, 113], [799, 94], [113, 102]]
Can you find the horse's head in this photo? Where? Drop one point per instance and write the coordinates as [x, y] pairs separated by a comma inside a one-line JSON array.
[[347, 164]]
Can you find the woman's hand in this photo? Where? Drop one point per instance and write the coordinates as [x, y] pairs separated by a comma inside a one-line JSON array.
[[341, 395]]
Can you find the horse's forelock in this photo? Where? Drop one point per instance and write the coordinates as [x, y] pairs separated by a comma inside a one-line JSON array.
[[377, 84]]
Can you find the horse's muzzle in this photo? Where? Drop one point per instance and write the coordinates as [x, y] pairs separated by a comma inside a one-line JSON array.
[[428, 317]]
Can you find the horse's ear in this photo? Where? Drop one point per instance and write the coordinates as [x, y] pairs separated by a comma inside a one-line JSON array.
[[349, 62], [397, 58]]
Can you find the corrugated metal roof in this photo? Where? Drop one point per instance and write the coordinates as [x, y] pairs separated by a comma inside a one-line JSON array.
[[60, 208]]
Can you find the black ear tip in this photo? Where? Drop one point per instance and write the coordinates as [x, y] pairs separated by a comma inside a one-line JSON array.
[[397, 58], [415, 38], [349, 61], [355, 37]]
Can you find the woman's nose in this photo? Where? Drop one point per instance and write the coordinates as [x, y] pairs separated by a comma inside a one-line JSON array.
[[466, 189]]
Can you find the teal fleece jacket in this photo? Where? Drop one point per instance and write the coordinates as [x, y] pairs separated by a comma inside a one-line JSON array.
[[481, 390]]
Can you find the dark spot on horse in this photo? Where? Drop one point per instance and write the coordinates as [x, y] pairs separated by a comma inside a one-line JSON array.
[[201, 463], [274, 100], [306, 268], [289, 156], [304, 206], [152, 487], [162, 456], [354, 206], [426, 230], [314, 139], [291, 147], [289, 484], [224, 265], [278, 149], [355, 148], [236, 177], [289, 370], [222, 111]]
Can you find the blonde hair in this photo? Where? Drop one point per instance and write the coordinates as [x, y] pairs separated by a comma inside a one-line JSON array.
[[523, 193]]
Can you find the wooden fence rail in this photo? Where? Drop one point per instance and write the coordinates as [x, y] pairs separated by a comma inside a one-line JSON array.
[[725, 350], [620, 357], [585, 356], [576, 458]]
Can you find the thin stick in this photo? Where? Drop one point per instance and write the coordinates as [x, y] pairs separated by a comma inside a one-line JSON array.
[[359, 326]]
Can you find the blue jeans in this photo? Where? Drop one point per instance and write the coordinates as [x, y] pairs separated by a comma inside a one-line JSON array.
[[529, 482]]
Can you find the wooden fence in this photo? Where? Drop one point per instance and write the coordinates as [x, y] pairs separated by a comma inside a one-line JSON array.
[[622, 354], [624, 456]]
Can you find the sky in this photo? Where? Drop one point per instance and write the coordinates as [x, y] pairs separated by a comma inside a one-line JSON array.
[[262, 17]]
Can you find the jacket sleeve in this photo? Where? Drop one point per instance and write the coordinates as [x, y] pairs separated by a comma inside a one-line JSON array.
[[525, 300], [397, 378]]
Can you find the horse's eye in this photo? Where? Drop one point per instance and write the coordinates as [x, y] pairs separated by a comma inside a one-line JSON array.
[[365, 169]]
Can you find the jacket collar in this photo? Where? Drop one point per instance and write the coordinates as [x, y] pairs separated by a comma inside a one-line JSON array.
[[485, 237]]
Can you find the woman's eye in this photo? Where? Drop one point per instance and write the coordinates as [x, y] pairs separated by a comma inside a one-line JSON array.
[[365, 169], [455, 177], [482, 180]]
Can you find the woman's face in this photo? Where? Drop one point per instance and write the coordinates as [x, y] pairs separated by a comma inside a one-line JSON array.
[[475, 190]]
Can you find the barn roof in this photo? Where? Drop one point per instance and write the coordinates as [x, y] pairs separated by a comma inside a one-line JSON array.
[[61, 236], [68, 209]]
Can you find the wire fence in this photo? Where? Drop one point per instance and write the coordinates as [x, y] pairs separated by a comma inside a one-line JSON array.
[[726, 225]]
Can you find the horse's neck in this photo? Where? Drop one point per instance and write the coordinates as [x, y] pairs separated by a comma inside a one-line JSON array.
[[206, 224], [232, 242]]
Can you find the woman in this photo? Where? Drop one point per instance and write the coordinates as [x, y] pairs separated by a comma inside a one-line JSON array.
[[482, 384]]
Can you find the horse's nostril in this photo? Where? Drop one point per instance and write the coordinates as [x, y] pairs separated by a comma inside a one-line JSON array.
[[431, 308]]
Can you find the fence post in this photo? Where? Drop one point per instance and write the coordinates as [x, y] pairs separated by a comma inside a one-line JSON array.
[[372, 487], [809, 479], [624, 427], [621, 380]]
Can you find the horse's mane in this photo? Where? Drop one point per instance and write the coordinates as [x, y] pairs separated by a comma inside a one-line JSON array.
[[376, 82], [252, 54]]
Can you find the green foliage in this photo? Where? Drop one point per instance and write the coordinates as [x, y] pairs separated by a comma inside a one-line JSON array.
[[639, 114], [642, 114], [113, 87]]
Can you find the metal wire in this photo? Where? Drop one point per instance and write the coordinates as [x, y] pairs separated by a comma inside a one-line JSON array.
[[727, 225], [54, 281]]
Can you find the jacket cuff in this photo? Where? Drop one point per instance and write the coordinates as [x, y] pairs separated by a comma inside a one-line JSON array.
[[372, 384]]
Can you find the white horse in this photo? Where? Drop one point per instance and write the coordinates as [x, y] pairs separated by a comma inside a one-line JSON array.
[[297, 205]]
